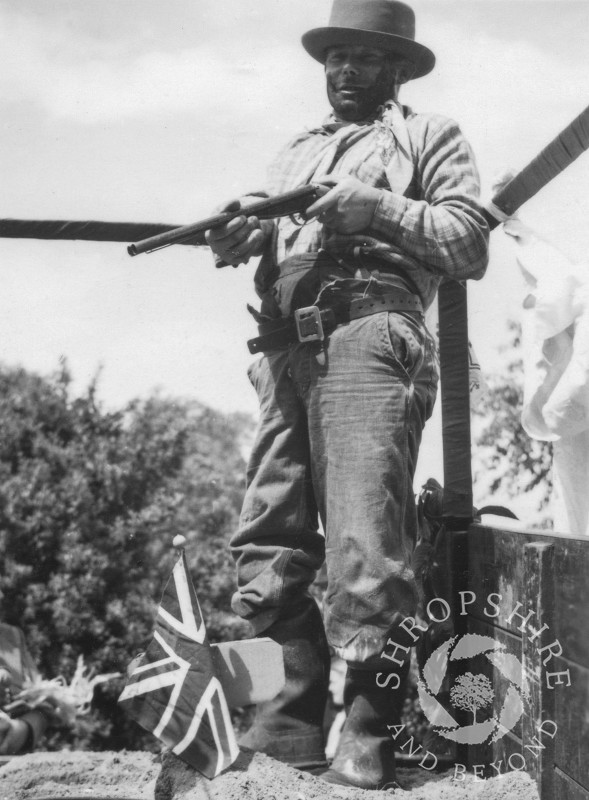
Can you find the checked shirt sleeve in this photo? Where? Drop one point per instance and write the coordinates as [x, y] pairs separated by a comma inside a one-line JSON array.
[[445, 230]]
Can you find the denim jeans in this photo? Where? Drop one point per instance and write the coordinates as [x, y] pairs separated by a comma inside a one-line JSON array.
[[340, 427]]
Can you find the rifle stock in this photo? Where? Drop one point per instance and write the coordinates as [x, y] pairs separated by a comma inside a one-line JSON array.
[[294, 202]]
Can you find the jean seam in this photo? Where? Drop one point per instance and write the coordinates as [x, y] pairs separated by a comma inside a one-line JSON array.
[[406, 424]]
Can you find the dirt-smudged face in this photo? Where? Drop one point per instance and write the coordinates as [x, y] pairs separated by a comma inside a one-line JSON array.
[[359, 80]]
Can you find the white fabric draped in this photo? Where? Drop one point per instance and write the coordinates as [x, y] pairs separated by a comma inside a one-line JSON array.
[[556, 362]]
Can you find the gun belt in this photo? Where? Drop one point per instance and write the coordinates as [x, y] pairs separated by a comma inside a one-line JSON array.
[[312, 323]]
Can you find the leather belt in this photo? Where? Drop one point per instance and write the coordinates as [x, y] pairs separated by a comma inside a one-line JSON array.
[[313, 324]]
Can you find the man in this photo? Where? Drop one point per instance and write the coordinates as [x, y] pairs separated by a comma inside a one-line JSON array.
[[346, 386]]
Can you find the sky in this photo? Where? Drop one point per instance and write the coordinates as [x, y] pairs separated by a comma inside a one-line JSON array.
[[145, 111]]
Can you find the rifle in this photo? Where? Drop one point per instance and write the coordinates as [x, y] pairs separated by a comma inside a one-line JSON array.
[[282, 205]]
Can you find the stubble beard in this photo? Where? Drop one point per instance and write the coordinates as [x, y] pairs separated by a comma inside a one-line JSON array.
[[364, 102]]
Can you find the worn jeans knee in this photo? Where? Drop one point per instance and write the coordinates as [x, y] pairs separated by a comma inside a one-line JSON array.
[[339, 432], [367, 406]]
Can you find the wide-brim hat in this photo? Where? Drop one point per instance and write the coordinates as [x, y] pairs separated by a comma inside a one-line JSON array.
[[386, 24]]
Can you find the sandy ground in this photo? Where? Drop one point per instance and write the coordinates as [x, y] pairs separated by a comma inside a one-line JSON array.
[[143, 776], [79, 774]]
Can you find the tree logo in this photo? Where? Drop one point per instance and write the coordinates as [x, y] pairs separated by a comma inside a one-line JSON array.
[[472, 692]]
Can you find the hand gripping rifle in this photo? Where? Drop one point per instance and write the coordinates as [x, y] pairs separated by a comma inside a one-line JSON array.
[[282, 205]]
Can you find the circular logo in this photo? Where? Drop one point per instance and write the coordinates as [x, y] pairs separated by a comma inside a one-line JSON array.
[[472, 692]]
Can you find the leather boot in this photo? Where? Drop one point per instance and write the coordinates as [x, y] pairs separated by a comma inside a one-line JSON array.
[[365, 755], [290, 727]]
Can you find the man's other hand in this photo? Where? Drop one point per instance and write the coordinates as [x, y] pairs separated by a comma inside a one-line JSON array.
[[347, 207], [239, 240], [13, 735]]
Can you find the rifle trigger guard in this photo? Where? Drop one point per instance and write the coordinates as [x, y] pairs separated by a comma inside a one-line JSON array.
[[298, 219]]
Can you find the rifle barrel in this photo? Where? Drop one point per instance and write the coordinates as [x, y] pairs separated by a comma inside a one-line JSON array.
[[293, 202]]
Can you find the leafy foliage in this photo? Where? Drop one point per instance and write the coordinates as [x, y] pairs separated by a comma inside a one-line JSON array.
[[508, 464], [89, 503]]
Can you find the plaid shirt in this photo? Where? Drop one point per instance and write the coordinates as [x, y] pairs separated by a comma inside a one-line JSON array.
[[430, 228]]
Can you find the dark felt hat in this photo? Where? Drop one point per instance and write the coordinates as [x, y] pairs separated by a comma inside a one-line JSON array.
[[386, 24]]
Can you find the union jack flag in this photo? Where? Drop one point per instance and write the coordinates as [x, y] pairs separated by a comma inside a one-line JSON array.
[[174, 692]]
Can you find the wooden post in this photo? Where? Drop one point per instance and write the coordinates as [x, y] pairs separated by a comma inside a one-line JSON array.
[[455, 391], [454, 370]]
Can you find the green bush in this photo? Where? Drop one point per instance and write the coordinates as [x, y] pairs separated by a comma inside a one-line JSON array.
[[89, 503]]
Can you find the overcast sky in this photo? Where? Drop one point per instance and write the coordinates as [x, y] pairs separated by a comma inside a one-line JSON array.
[[137, 110]]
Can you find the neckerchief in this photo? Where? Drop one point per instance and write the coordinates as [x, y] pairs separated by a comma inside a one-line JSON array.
[[392, 143]]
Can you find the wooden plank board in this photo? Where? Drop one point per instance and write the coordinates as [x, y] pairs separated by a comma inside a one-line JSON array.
[[571, 571], [250, 671], [546, 574], [508, 744], [567, 789], [496, 565], [538, 596], [572, 717], [495, 569]]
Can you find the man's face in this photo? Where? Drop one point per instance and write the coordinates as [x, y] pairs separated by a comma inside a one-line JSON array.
[[359, 79]]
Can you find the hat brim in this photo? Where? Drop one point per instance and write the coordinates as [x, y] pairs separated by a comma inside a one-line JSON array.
[[317, 40]]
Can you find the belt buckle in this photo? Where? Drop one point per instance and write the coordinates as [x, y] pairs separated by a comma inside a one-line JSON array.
[[309, 324]]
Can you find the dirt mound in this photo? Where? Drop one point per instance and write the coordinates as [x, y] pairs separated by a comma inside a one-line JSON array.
[[80, 774], [143, 776], [257, 777]]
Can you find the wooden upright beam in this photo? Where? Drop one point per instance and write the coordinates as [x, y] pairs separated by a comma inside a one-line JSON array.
[[455, 386]]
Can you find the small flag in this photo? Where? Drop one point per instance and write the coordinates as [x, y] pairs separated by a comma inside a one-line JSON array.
[[173, 692]]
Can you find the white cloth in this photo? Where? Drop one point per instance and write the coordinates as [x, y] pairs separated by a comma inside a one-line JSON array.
[[556, 361]]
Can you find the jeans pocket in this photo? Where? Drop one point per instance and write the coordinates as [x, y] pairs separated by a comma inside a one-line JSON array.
[[403, 341]]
